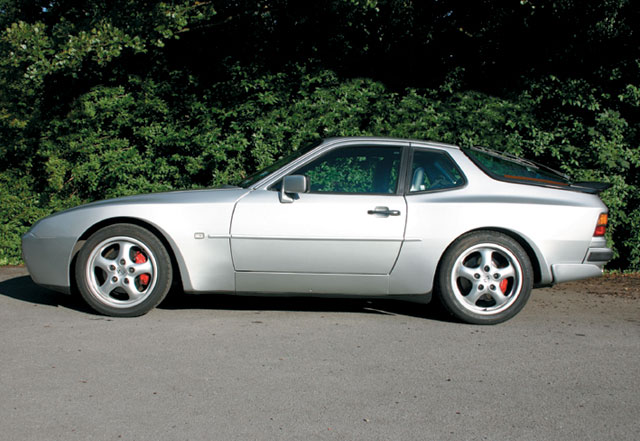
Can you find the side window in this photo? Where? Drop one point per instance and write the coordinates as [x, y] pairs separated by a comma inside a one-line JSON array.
[[355, 170], [433, 170]]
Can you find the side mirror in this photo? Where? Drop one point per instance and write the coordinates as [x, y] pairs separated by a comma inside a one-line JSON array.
[[291, 186]]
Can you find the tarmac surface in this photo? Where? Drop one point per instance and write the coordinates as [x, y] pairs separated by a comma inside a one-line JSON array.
[[244, 368]]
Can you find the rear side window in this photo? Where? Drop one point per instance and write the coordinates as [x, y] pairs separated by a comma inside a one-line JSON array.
[[511, 168], [433, 170]]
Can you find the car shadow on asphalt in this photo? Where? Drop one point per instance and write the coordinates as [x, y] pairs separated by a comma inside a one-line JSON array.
[[24, 289], [178, 300]]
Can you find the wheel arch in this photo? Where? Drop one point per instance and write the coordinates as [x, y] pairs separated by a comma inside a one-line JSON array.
[[533, 257], [153, 229]]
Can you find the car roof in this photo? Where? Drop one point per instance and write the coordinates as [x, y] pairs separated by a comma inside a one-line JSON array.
[[415, 142]]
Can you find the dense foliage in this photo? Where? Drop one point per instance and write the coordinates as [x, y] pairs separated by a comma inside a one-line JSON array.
[[100, 99]]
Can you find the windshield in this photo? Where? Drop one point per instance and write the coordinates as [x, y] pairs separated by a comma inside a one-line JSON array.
[[511, 168], [257, 176]]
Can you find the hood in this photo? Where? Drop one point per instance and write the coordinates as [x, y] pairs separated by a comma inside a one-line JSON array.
[[166, 198]]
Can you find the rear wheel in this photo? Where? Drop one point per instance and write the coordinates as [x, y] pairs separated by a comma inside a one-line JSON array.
[[123, 270], [485, 277]]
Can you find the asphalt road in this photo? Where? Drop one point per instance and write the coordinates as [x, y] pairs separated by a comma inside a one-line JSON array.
[[224, 368]]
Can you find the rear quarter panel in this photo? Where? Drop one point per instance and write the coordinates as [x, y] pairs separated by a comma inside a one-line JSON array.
[[557, 225]]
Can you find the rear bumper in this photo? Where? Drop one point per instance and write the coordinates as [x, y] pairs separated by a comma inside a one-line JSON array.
[[591, 266], [598, 255], [565, 272]]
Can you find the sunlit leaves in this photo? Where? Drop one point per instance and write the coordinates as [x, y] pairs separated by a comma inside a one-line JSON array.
[[100, 99]]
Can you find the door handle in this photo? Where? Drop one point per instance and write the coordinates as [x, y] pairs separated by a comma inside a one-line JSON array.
[[384, 211]]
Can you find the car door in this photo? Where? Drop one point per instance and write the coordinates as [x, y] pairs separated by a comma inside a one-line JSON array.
[[350, 223]]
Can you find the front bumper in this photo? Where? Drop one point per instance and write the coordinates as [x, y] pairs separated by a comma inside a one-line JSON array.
[[47, 260]]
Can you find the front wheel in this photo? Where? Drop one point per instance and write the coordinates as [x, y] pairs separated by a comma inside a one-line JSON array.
[[123, 270], [485, 278]]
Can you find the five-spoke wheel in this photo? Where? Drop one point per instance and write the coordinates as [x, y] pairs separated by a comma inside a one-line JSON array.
[[123, 270], [484, 278]]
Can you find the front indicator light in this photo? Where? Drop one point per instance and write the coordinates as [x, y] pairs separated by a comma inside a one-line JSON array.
[[601, 227]]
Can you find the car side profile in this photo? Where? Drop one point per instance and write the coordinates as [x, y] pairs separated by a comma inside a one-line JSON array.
[[373, 217]]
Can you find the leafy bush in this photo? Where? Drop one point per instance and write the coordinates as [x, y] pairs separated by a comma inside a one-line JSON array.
[[102, 99]]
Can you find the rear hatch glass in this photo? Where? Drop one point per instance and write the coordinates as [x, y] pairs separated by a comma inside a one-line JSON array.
[[510, 168]]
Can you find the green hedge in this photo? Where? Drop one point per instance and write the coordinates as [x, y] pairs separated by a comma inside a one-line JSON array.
[[101, 99], [130, 139]]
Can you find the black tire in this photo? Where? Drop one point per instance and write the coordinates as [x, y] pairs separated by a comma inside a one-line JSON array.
[[123, 270], [484, 278]]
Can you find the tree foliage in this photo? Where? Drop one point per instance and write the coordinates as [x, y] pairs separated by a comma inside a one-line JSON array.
[[100, 99]]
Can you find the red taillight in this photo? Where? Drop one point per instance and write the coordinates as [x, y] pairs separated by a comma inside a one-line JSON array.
[[601, 227]]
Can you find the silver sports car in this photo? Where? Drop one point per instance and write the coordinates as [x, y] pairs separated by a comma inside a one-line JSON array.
[[349, 217]]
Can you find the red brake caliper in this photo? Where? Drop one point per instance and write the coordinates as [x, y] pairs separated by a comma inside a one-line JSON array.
[[144, 278], [503, 286]]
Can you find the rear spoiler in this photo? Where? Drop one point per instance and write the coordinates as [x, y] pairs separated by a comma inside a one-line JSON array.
[[590, 187]]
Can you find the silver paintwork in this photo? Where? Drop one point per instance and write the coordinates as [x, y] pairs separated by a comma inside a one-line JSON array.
[[249, 240], [318, 233]]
